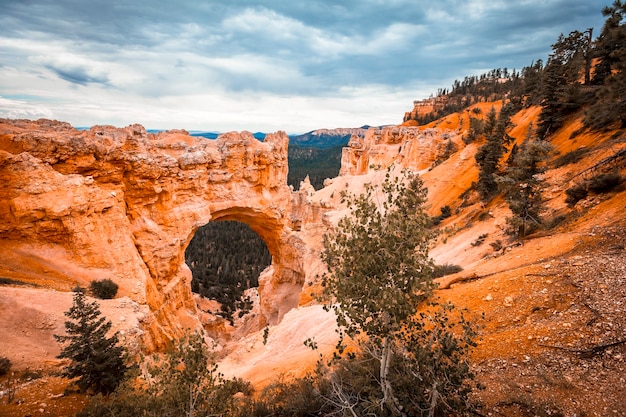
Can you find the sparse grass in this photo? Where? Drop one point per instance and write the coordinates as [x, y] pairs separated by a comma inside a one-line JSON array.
[[555, 379], [9, 281], [480, 240], [28, 375], [532, 407]]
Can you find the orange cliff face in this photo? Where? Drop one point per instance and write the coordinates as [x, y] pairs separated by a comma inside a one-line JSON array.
[[123, 204]]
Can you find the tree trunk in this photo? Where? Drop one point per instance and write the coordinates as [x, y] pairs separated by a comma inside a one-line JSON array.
[[389, 398], [434, 397]]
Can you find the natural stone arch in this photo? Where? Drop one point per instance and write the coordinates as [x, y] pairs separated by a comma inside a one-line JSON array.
[[123, 204], [280, 284]]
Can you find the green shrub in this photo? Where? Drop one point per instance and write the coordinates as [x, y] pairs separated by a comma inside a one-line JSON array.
[[575, 194], [185, 382], [103, 289], [5, 365], [298, 397], [570, 157], [445, 269], [603, 183]]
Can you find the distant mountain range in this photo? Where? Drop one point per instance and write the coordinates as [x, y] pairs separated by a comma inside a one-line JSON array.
[[326, 138]]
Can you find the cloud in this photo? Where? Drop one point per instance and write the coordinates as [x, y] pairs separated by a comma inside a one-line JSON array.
[[78, 75], [23, 109], [228, 65]]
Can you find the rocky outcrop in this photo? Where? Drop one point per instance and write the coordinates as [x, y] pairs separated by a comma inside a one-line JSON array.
[[412, 147], [123, 204]]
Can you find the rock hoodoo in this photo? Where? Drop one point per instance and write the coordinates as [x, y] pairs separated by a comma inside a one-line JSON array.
[[123, 204]]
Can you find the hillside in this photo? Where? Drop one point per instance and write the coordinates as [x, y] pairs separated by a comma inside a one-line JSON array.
[[525, 176], [553, 303]]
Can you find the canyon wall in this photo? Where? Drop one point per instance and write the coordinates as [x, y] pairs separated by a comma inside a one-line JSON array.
[[411, 147]]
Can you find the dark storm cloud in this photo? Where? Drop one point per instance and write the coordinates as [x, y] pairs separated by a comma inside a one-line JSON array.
[[78, 75]]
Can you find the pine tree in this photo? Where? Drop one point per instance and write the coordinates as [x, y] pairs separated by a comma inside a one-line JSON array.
[[609, 109], [96, 361], [488, 155], [522, 184]]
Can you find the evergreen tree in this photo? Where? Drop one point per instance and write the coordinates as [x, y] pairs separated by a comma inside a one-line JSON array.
[[609, 109], [522, 184], [226, 258], [488, 155], [554, 83], [532, 86], [96, 361], [560, 94]]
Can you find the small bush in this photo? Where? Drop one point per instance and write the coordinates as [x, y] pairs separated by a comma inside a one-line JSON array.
[[445, 269], [445, 213], [104, 289], [5, 365], [480, 240], [604, 183], [29, 375], [570, 157], [497, 245], [555, 221], [575, 194]]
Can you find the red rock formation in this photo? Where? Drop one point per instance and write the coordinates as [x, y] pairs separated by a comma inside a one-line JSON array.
[[123, 204]]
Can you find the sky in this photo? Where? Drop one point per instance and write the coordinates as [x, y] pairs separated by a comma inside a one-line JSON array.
[[224, 65]]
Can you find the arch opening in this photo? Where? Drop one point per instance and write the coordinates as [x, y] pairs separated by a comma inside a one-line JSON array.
[[226, 258]]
